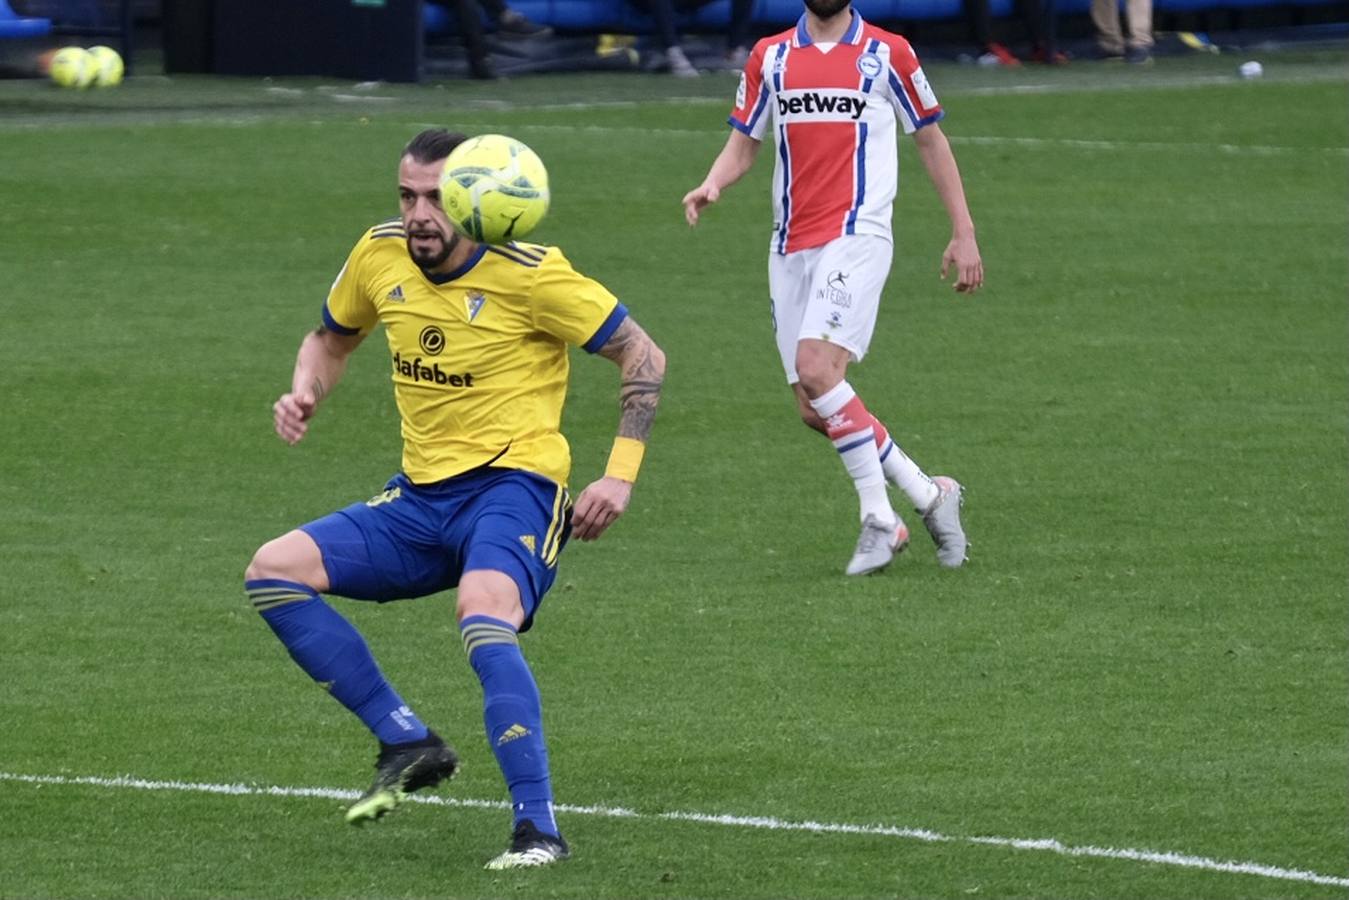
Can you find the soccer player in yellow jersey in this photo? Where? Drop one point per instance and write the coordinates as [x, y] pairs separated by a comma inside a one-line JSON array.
[[478, 339]]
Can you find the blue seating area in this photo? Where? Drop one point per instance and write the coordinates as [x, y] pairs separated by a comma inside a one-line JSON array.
[[620, 16], [13, 25]]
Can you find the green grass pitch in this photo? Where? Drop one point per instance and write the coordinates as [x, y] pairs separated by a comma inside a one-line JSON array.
[[1145, 661]]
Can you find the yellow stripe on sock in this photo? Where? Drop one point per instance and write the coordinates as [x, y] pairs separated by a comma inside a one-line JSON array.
[[261, 603], [268, 597], [480, 634]]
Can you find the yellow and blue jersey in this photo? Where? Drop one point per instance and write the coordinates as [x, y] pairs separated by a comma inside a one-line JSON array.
[[479, 355]]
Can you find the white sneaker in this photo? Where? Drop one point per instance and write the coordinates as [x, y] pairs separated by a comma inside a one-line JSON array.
[[879, 543], [942, 519]]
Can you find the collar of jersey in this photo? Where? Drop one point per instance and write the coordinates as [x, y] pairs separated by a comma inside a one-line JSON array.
[[442, 277], [852, 36]]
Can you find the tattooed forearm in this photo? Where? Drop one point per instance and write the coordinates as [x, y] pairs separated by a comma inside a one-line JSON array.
[[638, 401], [643, 367], [319, 390]]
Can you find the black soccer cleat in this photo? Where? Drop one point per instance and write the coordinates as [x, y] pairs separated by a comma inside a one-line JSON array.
[[400, 770], [531, 847]]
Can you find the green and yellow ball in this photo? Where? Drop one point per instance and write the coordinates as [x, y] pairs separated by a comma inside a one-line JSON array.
[[494, 189]]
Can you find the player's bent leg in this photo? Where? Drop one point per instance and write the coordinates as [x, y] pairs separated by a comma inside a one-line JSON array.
[[283, 582], [849, 427], [490, 613]]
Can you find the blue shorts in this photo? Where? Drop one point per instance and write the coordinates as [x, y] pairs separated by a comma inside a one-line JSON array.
[[413, 540]]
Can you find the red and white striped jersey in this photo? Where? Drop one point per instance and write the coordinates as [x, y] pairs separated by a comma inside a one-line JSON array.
[[833, 114]]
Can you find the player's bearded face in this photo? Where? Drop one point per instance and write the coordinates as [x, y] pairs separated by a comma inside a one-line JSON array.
[[827, 8], [430, 238], [429, 246]]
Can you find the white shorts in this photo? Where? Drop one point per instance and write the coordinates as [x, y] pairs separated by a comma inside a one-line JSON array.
[[829, 293]]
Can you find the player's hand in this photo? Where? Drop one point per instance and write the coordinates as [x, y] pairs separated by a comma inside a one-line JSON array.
[[698, 198], [962, 256], [291, 414], [599, 506]]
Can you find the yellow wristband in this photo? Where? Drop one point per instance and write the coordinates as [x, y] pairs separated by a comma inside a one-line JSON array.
[[625, 459]]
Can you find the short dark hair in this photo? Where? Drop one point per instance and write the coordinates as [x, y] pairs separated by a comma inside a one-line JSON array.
[[433, 144]]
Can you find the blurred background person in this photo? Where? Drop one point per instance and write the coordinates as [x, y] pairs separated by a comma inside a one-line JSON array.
[[507, 22], [671, 55], [1110, 38], [1041, 18]]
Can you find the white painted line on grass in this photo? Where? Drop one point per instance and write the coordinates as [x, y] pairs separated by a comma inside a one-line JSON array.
[[1165, 858]]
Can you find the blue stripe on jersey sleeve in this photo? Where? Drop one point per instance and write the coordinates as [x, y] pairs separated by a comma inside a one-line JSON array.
[[935, 117], [606, 331], [903, 98], [898, 89], [333, 325], [740, 126]]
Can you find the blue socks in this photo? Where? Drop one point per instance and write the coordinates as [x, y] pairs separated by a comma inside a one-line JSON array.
[[513, 717], [335, 655]]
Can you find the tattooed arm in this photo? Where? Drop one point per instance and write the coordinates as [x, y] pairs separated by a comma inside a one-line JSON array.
[[318, 367], [643, 367], [642, 364]]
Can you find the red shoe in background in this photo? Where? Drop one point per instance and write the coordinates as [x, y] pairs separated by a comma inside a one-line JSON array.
[[998, 55]]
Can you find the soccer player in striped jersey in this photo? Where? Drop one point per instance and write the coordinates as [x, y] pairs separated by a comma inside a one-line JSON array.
[[478, 339], [831, 90]]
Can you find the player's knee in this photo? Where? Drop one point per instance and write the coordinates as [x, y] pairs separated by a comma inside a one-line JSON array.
[[489, 593], [266, 563], [815, 380], [288, 558], [820, 366]]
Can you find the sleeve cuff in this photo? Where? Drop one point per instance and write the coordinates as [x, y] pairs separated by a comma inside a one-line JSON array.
[[333, 325], [935, 117], [606, 330]]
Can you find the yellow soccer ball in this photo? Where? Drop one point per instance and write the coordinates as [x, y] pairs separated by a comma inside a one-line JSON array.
[[108, 67], [494, 189], [72, 67]]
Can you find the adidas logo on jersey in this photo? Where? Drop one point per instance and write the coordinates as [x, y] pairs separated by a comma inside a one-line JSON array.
[[396, 295]]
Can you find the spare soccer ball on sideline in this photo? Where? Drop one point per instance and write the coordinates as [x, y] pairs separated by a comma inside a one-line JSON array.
[[108, 66], [494, 189], [72, 67]]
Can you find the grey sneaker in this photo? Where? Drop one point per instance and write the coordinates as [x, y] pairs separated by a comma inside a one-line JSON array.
[[680, 67], [531, 847], [400, 770], [942, 519], [879, 543]]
